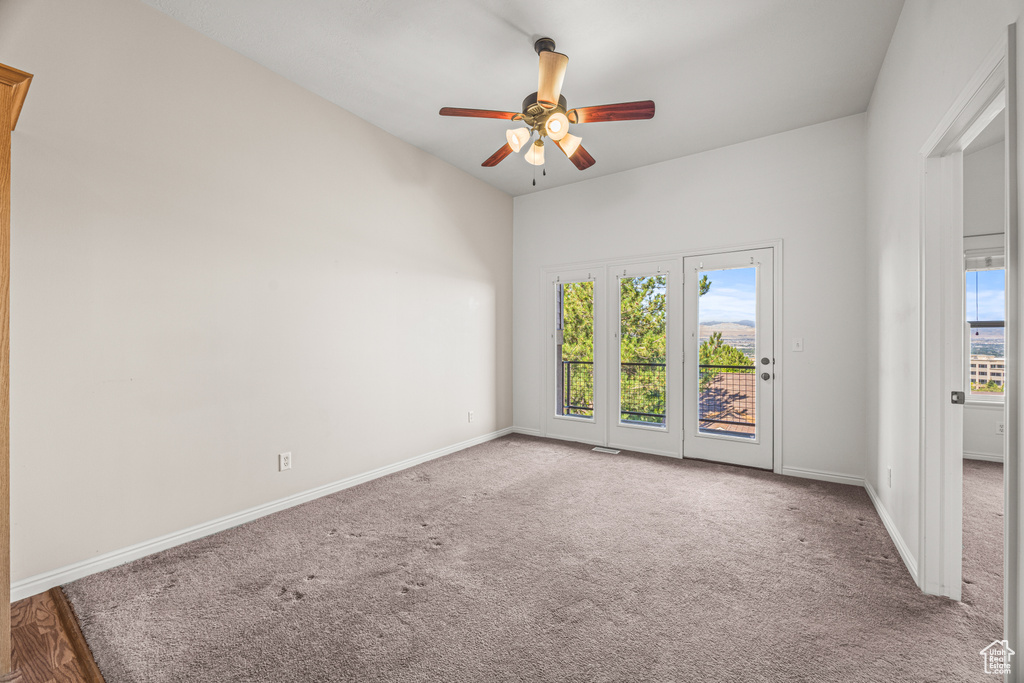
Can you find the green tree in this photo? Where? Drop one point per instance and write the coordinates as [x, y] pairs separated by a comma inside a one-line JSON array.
[[642, 319], [578, 346], [642, 328], [578, 321]]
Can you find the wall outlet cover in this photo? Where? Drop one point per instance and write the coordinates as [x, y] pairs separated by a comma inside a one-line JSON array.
[[284, 461]]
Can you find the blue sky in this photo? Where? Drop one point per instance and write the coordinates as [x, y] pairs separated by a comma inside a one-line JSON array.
[[731, 297], [986, 294]]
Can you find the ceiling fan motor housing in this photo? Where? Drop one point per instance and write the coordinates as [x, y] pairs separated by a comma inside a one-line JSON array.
[[544, 45], [534, 114]]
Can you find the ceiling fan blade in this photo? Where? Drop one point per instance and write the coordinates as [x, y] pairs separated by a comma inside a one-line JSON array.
[[624, 111], [479, 113], [580, 158], [552, 73], [496, 158]]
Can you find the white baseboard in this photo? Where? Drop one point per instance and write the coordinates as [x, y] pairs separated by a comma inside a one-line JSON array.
[[823, 476], [894, 533], [988, 457], [528, 431], [47, 580]]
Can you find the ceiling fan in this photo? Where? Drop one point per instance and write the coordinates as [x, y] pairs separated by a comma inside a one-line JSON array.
[[545, 113]]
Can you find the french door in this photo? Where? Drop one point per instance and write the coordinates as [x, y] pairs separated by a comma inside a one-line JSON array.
[[576, 407], [643, 359], [729, 369]]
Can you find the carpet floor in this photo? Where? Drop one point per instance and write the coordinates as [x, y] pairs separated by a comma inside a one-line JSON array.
[[525, 559], [982, 588]]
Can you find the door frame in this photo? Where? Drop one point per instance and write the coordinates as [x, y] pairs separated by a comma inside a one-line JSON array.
[[583, 430], [14, 85], [603, 265], [691, 417], [992, 89], [666, 440]]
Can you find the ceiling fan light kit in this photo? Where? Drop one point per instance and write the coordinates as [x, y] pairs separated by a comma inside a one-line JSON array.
[[535, 155], [546, 113], [556, 126], [517, 137]]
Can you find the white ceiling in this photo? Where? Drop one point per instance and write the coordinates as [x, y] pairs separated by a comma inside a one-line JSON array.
[[719, 71]]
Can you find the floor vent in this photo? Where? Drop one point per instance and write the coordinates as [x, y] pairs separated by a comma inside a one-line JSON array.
[[601, 449]]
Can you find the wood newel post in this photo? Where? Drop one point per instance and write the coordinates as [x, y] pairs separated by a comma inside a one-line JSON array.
[[13, 88]]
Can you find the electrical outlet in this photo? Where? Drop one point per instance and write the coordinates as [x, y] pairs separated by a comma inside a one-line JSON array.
[[1000, 429], [284, 461], [470, 416], [890, 477]]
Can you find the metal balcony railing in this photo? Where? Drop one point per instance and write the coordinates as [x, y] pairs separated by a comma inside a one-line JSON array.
[[642, 392], [577, 388], [727, 397], [727, 394]]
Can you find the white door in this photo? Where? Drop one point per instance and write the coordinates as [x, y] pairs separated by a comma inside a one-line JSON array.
[[728, 375], [576, 406], [643, 363]]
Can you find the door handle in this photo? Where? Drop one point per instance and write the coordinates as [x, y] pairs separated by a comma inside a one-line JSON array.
[[765, 375], [765, 361]]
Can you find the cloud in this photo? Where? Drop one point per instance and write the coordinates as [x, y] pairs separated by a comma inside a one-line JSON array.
[[728, 304]]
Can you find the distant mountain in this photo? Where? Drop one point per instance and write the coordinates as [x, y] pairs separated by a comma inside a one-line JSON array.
[[744, 323]]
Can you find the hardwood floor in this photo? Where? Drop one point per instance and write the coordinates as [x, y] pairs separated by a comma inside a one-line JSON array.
[[47, 645]]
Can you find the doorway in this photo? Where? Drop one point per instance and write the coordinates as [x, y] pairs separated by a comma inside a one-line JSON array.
[[644, 364], [984, 372], [944, 379], [729, 345]]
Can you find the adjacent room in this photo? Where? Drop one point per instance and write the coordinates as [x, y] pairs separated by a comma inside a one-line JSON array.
[[486, 341]]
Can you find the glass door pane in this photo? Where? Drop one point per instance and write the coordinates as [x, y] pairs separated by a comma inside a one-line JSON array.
[[642, 344], [727, 323], [575, 353], [986, 313]]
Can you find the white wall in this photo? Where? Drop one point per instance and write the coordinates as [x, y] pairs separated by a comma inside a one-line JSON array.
[[984, 191], [936, 48], [212, 265], [982, 438], [806, 187]]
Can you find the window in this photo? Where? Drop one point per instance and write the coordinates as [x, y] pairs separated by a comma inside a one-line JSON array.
[[643, 317], [985, 298], [575, 349]]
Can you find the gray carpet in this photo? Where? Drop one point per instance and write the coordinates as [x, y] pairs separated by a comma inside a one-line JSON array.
[[529, 560], [983, 543]]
